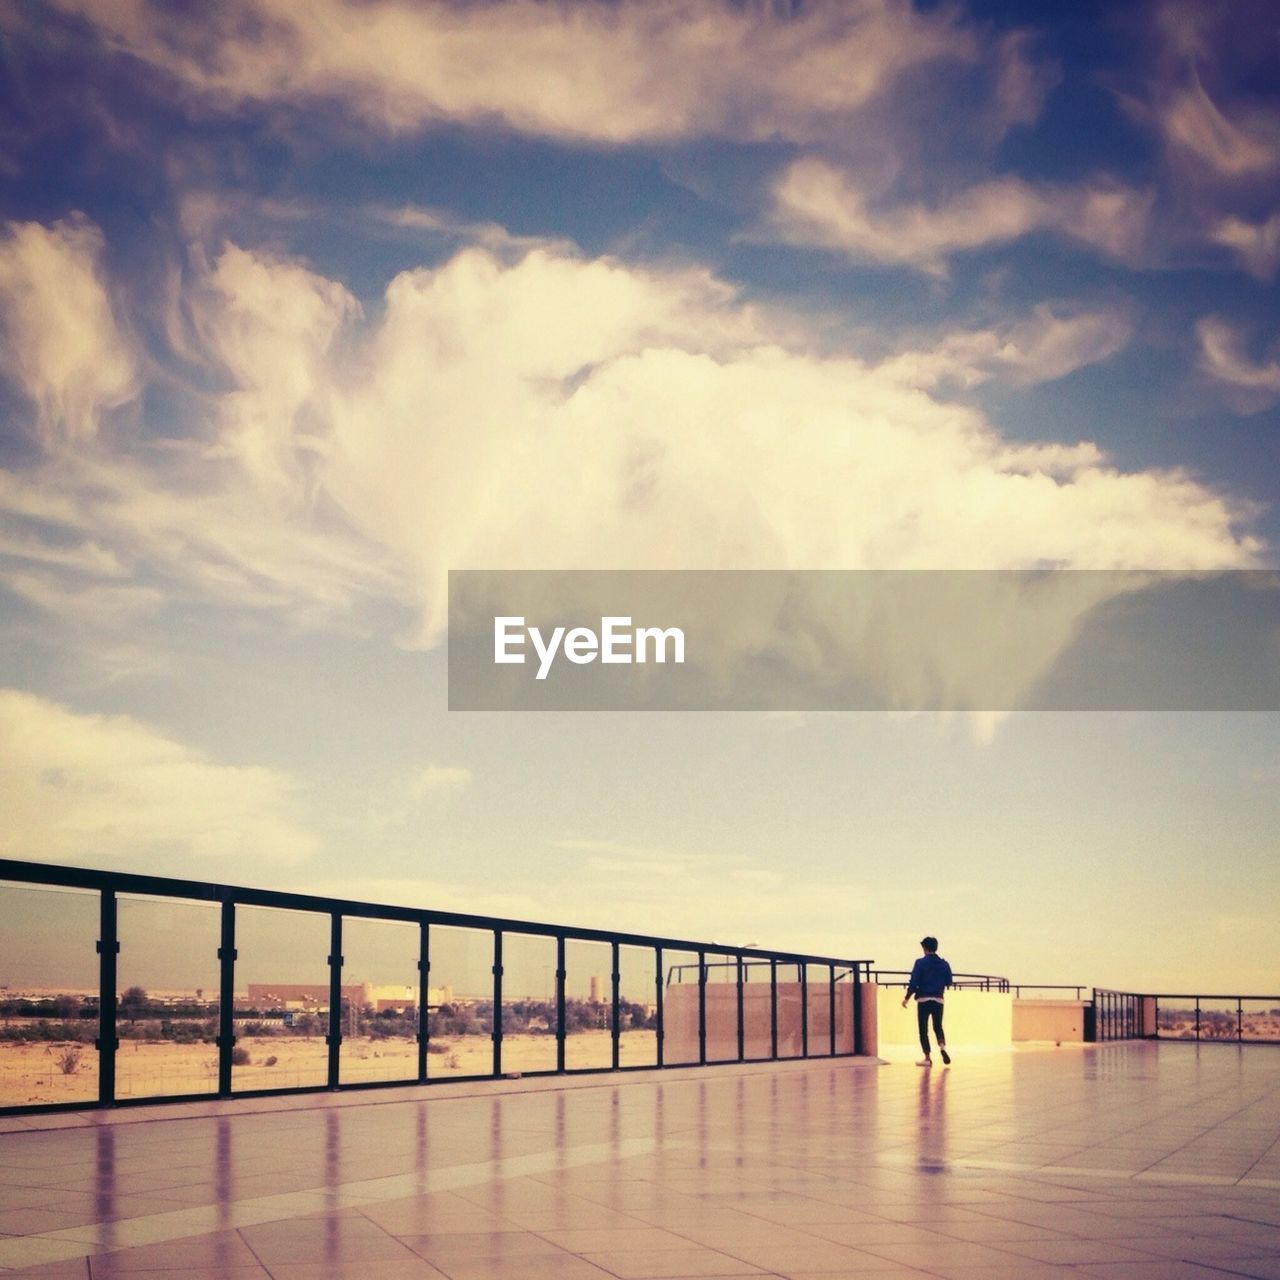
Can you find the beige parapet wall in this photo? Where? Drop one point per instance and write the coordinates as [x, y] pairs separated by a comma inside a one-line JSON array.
[[1059, 1021], [971, 1018]]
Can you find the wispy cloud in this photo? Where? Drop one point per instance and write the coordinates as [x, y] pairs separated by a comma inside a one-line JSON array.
[[1255, 244], [1052, 341], [440, 779], [640, 70], [1193, 122], [1253, 384], [59, 337], [817, 203], [104, 789]]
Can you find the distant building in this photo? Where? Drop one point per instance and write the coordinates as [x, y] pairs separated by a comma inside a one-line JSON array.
[[314, 996]]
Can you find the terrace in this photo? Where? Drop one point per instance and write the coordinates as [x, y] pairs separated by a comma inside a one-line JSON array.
[[598, 1104], [1131, 1159]]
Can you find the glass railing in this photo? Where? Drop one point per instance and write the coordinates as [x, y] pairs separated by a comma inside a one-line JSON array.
[[1230, 1019], [1199, 1018], [118, 988]]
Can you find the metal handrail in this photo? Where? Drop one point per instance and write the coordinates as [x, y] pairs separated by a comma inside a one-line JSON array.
[[106, 1012], [961, 981]]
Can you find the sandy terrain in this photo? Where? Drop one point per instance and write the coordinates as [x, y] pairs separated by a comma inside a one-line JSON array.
[[30, 1072]]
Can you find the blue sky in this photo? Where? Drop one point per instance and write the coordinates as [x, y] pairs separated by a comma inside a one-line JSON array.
[[304, 306]]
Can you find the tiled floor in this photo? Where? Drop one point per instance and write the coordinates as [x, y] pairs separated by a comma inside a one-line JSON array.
[[1116, 1162]]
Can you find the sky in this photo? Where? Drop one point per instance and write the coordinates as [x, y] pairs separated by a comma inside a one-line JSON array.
[[304, 306]]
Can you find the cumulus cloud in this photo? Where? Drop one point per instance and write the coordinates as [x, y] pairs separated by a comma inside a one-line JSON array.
[[1252, 384], [59, 338], [817, 203], [101, 788], [557, 412], [640, 70]]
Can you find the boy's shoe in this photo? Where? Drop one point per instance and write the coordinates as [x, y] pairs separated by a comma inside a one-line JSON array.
[[946, 1057], [925, 1062]]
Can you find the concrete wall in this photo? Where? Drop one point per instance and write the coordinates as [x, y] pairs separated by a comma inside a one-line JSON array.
[[971, 1017], [1060, 1021]]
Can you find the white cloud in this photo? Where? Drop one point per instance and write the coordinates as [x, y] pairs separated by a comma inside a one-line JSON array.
[[270, 324], [1192, 122], [441, 779], [1255, 383], [817, 203], [96, 788], [59, 339], [639, 70], [1049, 343], [559, 412], [1255, 244]]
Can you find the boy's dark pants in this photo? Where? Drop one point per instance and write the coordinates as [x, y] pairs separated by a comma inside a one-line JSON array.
[[926, 1009]]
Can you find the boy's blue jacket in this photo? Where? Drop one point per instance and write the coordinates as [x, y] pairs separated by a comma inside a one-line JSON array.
[[930, 976]]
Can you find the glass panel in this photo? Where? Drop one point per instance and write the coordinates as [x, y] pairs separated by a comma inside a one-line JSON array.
[[845, 991], [528, 1003], [722, 1008], [1176, 1018], [48, 996], [460, 1003], [637, 1007], [588, 1004], [1218, 1020], [757, 1015], [790, 1044], [819, 995], [1261, 1019], [282, 999], [167, 997], [379, 1001], [680, 1008]]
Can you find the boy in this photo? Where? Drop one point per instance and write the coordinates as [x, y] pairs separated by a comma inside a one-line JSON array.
[[930, 977]]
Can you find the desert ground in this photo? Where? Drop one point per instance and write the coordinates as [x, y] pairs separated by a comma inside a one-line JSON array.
[[33, 1073]]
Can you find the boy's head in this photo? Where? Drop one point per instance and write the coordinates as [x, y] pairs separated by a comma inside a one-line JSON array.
[[929, 944]]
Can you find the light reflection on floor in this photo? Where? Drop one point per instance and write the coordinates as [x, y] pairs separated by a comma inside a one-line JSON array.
[[1137, 1160]]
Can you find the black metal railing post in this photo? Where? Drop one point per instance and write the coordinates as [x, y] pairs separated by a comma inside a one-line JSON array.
[[561, 975], [108, 957], [773, 1008], [742, 1008], [424, 997], [804, 1010], [702, 1007], [497, 1002], [334, 1037], [226, 1037], [831, 1009], [858, 1042], [615, 1005], [659, 994]]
